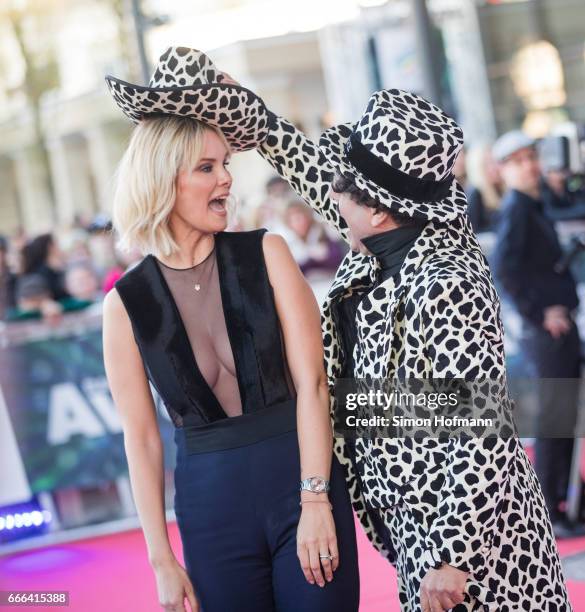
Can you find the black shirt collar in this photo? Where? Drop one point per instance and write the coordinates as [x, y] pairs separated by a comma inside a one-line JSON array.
[[391, 247]]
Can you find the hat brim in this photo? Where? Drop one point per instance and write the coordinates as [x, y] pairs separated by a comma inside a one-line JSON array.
[[332, 144], [238, 112]]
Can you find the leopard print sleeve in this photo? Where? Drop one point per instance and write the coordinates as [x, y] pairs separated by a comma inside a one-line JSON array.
[[302, 164], [367, 520], [477, 468]]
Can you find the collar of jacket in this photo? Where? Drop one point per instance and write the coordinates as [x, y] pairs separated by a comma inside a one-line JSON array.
[[454, 237], [389, 292], [356, 271], [456, 234], [360, 271], [430, 239]]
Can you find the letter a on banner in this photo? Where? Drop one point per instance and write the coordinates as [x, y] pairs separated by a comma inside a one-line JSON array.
[[70, 414]]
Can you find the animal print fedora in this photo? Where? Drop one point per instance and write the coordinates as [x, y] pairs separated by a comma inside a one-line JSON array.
[[185, 82], [401, 152]]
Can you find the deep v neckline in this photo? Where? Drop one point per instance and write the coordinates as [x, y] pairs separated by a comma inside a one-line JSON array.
[[209, 396]]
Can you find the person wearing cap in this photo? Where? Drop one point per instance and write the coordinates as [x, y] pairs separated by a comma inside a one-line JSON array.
[[34, 301], [462, 517], [526, 263], [225, 327]]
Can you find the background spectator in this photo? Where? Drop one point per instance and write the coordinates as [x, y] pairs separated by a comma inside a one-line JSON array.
[[34, 301], [483, 187], [525, 262], [270, 213], [311, 246], [7, 280], [82, 282], [43, 256]]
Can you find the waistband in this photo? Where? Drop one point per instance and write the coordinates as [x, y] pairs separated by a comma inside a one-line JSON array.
[[242, 430]]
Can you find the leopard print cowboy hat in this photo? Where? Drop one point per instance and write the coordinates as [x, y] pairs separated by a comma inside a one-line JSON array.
[[401, 152], [185, 82]]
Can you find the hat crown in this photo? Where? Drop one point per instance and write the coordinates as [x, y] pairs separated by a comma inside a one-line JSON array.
[[183, 67], [410, 134]]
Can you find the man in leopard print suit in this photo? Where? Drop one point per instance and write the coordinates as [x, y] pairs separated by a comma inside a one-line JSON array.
[[465, 512], [471, 504]]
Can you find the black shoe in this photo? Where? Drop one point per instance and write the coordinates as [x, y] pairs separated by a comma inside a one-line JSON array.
[[564, 529]]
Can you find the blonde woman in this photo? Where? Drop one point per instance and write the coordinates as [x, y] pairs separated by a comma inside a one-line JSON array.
[[485, 189], [226, 329]]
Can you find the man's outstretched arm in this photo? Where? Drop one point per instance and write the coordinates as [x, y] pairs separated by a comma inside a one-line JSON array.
[[300, 162]]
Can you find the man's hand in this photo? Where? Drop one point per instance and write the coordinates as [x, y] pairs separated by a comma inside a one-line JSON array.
[[442, 589], [224, 77], [556, 321]]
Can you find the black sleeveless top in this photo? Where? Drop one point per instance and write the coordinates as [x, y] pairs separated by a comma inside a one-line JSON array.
[[253, 328]]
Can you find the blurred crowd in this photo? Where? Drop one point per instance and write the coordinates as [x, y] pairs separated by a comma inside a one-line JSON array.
[[316, 249], [51, 274]]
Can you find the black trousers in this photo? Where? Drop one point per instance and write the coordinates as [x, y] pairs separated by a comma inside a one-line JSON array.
[[238, 511], [557, 366]]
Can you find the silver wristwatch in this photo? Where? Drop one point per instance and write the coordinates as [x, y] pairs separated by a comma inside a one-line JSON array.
[[315, 484]]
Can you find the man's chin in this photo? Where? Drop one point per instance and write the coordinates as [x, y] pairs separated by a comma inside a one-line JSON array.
[[357, 247], [354, 244]]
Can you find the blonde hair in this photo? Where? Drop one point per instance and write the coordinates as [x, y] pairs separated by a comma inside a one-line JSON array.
[[146, 177], [477, 161]]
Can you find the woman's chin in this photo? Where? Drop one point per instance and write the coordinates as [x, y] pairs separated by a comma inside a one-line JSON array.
[[220, 222], [212, 225]]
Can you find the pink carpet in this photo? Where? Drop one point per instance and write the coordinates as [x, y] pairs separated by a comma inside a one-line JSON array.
[[111, 574]]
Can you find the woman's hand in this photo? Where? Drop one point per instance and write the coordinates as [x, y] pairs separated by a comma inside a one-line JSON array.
[[173, 585], [442, 589], [316, 537]]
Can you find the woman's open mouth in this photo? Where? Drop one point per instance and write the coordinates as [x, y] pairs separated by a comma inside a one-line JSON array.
[[218, 205]]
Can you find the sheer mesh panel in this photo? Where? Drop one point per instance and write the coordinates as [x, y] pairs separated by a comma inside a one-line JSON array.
[[202, 314]]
